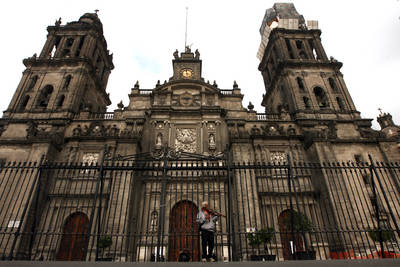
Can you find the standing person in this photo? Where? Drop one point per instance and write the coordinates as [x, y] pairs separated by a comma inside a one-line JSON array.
[[206, 220]]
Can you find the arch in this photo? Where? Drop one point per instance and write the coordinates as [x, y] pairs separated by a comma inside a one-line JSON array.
[[321, 97], [292, 241], [74, 238], [44, 96], [183, 231]]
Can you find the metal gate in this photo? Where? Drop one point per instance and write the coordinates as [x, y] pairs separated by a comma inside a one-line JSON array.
[[142, 208]]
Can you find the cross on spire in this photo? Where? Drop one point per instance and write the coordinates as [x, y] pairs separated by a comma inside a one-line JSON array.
[[96, 11]]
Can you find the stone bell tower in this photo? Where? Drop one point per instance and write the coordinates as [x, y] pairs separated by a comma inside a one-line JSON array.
[[68, 76], [297, 73]]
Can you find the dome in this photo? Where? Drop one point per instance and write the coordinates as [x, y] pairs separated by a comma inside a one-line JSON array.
[[91, 18]]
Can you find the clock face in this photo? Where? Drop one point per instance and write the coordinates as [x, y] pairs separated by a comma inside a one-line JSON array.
[[187, 73]]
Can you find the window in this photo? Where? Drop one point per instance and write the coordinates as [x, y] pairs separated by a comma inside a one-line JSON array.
[[340, 103], [289, 47], [44, 96], [300, 84], [307, 103], [314, 52], [321, 97], [332, 84], [67, 81], [67, 50], [60, 101], [81, 41], [24, 102], [32, 82], [55, 46]]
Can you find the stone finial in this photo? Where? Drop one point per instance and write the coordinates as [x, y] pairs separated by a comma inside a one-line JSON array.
[[158, 83], [250, 106], [137, 85], [120, 105], [215, 84], [58, 22], [176, 54], [235, 85]]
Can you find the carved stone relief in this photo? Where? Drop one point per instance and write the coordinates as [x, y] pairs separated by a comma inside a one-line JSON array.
[[186, 140], [278, 156]]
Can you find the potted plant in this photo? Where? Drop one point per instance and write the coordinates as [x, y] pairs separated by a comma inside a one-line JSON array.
[[103, 243], [257, 238], [384, 235], [301, 225]]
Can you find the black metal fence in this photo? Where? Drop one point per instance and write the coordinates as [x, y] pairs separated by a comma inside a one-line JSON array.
[[144, 209]]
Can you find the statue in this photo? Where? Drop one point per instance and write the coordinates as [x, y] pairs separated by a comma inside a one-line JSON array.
[[197, 54], [159, 140], [176, 56], [187, 49], [211, 142]]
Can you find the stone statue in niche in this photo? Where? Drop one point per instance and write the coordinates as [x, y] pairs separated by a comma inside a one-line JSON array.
[[159, 140], [211, 142]]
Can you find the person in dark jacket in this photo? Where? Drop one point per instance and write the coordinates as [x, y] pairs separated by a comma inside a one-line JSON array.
[[206, 220]]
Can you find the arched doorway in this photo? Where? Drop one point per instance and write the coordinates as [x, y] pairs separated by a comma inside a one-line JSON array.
[[291, 242], [74, 238], [183, 231]]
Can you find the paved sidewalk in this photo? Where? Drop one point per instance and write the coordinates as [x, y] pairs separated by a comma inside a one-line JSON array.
[[326, 263]]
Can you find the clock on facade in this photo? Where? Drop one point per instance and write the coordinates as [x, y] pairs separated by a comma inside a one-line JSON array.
[[187, 73]]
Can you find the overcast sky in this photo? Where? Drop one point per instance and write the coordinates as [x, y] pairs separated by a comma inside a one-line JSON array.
[[142, 35]]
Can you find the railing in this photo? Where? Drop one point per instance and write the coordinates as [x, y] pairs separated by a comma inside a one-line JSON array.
[[268, 116], [145, 210], [226, 92], [96, 116], [145, 91]]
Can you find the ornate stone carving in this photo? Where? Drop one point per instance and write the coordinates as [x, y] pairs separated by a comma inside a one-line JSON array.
[[90, 158], [77, 131], [186, 100], [278, 157], [186, 140]]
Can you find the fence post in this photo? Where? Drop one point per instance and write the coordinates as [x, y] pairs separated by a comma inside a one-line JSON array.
[[160, 235], [36, 181], [231, 224], [292, 245], [375, 204], [98, 185]]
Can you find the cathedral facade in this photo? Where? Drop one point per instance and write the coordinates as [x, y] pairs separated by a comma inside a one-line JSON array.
[[155, 160]]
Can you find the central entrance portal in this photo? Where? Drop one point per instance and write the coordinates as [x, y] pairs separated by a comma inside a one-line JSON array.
[[183, 231]]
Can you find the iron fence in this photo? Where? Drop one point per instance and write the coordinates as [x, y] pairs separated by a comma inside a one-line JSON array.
[[144, 208]]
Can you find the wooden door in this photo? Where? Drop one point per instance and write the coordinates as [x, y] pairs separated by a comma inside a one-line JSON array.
[[286, 236], [74, 238], [183, 231]]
